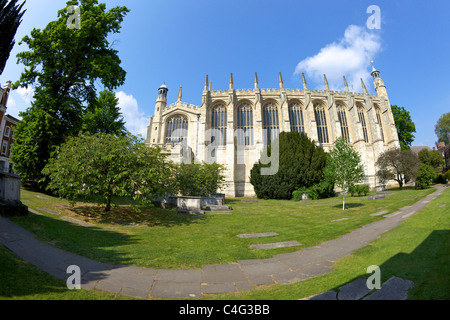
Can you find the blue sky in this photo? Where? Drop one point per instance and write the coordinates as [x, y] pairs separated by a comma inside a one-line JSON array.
[[179, 42]]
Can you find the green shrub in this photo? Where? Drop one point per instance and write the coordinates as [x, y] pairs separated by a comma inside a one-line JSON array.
[[301, 164], [320, 190], [446, 176], [200, 180], [425, 176], [439, 178], [360, 190]]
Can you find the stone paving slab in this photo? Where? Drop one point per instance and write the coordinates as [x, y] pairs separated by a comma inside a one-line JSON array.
[[275, 245], [210, 276], [179, 275], [393, 289], [329, 295], [257, 235], [218, 288], [262, 269], [176, 290], [77, 222], [380, 213], [48, 211], [342, 219], [354, 290]]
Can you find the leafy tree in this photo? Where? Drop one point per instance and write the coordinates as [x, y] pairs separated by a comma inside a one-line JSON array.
[[344, 167], [425, 176], [10, 19], [200, 180], [442, 128], [384, 175], [301, 164], [103, 115], [402, 165], [432, 158], [64, 65], [104, 166], [405, 126]]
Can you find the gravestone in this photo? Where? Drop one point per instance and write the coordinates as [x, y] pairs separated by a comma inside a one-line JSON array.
[[275, 245], [257, 235], [10, 204], [377, 196]]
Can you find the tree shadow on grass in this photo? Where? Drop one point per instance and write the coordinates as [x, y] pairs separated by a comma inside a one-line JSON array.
[[426, 266], [128, 216], [53, 245]]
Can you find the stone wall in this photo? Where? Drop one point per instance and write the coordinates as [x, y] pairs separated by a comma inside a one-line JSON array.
[[239, 160]]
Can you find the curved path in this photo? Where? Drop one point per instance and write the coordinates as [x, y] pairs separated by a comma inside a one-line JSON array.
[[163, 283]]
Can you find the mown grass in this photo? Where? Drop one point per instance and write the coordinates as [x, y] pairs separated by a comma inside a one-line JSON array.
[[162, 238], [417, 250]]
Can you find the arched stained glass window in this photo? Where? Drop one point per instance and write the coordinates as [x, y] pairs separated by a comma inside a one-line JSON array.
[[244, 125], [362, 119], [271, 127], [219, 125], [321, 122], [176, 129], [296, 117], [380, 122], [342, 116]]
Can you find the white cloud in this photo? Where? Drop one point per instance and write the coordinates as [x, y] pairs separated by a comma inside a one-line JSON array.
[[349, 57], [27, 94], [135, 121]]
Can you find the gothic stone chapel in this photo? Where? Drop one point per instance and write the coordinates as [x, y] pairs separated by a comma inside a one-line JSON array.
[[233, 126]]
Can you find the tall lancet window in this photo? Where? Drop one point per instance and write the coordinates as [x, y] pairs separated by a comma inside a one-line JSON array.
[[176, 129], [321, 122], [342, 116], [219, 125], [271, 127], [362, 119], [296, 117], [380, 122], [244, 125]]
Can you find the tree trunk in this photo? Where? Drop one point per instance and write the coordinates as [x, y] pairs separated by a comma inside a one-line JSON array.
[[108, 204], [343, 202]]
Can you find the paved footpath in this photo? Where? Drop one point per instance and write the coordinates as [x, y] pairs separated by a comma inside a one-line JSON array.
[[211, 279]]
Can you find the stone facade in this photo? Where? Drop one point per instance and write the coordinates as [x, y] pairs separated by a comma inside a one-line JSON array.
[[7, 124], [233, 126]]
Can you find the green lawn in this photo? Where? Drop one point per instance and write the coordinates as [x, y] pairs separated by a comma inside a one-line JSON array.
[[162, 238], [417, 250]]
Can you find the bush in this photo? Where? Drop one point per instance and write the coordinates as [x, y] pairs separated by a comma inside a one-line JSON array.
[[362, 189], [298, 194], [301, 164], [200, 180], [439, 178], [320, 190], [446, 176], [425, 176]]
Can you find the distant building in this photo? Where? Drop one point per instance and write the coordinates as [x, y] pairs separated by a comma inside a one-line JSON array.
[[416, 149], [7, 124], [445, 150], [233, 126]]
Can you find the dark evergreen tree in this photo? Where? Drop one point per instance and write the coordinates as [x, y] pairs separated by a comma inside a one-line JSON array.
[[301, 164], [10, 18]]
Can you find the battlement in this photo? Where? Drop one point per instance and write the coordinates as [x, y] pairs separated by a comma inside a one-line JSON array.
[[181, 105]]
